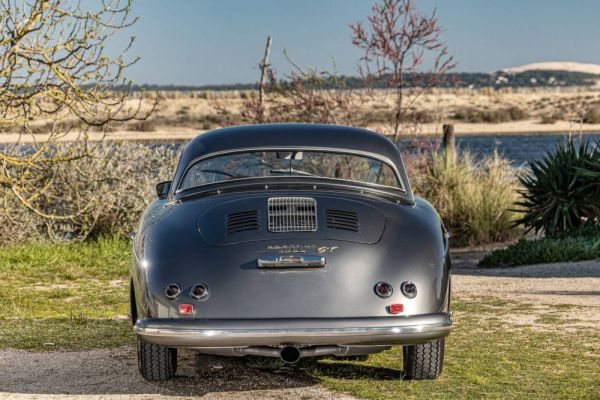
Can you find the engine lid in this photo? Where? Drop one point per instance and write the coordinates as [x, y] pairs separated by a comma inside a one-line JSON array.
[[260, 217]]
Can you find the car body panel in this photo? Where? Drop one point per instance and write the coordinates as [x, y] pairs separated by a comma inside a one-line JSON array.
[[212, 229], [184, 240]]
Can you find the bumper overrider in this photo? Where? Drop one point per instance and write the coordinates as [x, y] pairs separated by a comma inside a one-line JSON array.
[[293, 331]]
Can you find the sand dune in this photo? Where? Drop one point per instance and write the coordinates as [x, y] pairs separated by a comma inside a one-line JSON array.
[[557, 66]]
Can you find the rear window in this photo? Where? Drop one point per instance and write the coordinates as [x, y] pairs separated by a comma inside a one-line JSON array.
[[255, 164]]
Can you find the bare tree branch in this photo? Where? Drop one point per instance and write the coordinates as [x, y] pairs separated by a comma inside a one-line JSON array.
[[54, 73], [395, 41]]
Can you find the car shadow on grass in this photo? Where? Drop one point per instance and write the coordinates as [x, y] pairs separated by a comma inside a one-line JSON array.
[[344, 370], [115, 372]]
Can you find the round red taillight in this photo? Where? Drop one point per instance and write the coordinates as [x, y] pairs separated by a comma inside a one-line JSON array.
[[383, 289]]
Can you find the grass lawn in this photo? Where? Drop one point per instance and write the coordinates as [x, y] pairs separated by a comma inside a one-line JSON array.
[[64, 296], [68, 297], [485, 358], [64, 281]]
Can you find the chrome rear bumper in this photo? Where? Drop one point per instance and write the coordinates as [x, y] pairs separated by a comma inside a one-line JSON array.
[[275, 332]]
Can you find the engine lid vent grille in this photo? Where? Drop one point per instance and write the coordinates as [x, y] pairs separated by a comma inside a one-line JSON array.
[[242, 221], [344, 220], [292, 214]]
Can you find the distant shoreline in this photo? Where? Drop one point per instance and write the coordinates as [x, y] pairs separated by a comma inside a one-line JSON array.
[[518, 128], [524, 127]]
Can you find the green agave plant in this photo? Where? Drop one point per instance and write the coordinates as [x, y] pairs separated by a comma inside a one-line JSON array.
[[591, 168], [562, 191]]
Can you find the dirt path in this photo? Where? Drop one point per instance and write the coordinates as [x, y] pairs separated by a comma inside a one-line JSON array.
[[565, 289], [561, 283], [112, 374], [573, 283], [569, 291]]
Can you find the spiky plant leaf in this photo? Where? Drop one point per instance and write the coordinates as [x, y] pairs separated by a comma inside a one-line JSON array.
[[562, 192]]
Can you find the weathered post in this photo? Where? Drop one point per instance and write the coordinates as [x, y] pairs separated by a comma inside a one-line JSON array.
[[449, 142], [261, 84]]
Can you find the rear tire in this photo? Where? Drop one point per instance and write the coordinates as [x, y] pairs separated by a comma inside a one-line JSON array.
[[156, 363], [424, 361]]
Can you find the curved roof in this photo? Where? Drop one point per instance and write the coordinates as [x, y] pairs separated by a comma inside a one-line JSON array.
[[333, 137]]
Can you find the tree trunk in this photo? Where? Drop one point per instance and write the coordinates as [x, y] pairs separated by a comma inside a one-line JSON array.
[[261, 83]]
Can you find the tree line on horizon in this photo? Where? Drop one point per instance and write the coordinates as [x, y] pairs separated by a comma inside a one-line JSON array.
[[474, 80]]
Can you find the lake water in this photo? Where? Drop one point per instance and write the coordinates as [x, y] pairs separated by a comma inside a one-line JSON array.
[[517, 148]]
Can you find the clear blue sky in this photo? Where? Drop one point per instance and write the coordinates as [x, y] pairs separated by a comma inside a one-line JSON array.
[[221, 41]]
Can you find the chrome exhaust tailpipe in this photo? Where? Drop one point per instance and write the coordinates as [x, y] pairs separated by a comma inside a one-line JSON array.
[[290, 354]]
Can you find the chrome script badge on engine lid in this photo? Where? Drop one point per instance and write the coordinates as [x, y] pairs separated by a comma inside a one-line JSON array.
[[301, 248]]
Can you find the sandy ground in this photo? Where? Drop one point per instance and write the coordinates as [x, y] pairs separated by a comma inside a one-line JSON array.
[[524, 127], [112, 374], [561, 283], [183, 115], [570, 290]]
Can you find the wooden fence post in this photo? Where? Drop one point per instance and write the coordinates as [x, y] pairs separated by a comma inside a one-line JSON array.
[[449, 142]]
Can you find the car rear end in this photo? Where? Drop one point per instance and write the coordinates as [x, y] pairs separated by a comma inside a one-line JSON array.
[[324, 273], [290, 241]]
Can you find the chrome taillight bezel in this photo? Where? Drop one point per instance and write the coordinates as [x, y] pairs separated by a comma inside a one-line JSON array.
[[199, 291], [383, 290], [408, 289], [172, 291]]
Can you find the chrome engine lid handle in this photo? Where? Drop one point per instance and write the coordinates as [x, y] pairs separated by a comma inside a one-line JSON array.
[[291, 261]]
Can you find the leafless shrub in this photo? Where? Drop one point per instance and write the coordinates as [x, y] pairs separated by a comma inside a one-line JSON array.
[[395, 42], [115, 184], [304, 95]]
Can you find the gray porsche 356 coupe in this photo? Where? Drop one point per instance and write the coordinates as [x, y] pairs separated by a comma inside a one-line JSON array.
[[290, 241]]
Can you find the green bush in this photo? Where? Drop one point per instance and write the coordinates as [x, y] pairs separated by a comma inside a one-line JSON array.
[[148, 125], [591, 168], [583, 244], [384, 115], [592, 116], [490, 116], [552, 118], [473, 199], [561, 193]]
